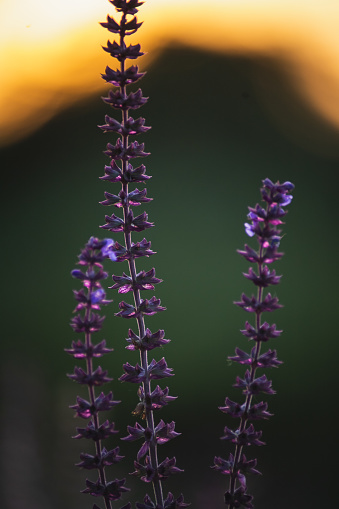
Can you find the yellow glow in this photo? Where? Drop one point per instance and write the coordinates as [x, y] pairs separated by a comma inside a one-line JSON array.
[[50, 53]]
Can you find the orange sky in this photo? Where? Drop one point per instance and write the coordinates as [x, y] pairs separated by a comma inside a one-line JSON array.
[[50, 52]]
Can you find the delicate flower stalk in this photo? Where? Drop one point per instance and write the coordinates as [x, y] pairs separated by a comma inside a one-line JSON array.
[[87, 321], [264, 223], [120, 170]]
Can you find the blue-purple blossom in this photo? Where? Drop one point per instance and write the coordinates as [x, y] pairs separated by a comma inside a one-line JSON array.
[[107, 250], [97, 296], [249, 229]]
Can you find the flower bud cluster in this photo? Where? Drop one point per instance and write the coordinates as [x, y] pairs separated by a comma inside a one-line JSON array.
[[264, 222], [87, 321], [121, 170]]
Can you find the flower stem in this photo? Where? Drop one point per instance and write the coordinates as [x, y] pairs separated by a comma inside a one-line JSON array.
[[89, 364], [249, 396], [157, 485]]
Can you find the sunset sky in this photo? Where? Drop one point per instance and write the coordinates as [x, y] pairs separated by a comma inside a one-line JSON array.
[[50, 52]]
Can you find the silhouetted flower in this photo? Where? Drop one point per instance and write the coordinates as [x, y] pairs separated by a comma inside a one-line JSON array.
[[263, 224], [90, 298], [122, 153]]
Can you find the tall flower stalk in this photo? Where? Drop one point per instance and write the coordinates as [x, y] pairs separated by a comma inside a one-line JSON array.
[[264, 223], [88, 321], [120, 170]]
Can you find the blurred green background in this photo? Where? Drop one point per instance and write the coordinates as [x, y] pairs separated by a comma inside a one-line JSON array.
[[221, 124]]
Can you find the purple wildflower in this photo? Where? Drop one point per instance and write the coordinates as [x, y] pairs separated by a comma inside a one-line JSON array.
[[90, 299], [264, 225], [121, 170]]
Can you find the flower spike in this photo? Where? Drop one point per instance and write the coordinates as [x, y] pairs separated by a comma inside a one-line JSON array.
[[122, 170], [263, 223], [90, 298]]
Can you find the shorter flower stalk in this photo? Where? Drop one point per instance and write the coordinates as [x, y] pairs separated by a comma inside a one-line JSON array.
[[264, 223], [87, 321]]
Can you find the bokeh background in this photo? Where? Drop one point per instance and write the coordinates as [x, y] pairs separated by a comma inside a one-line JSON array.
[[239, 91]]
